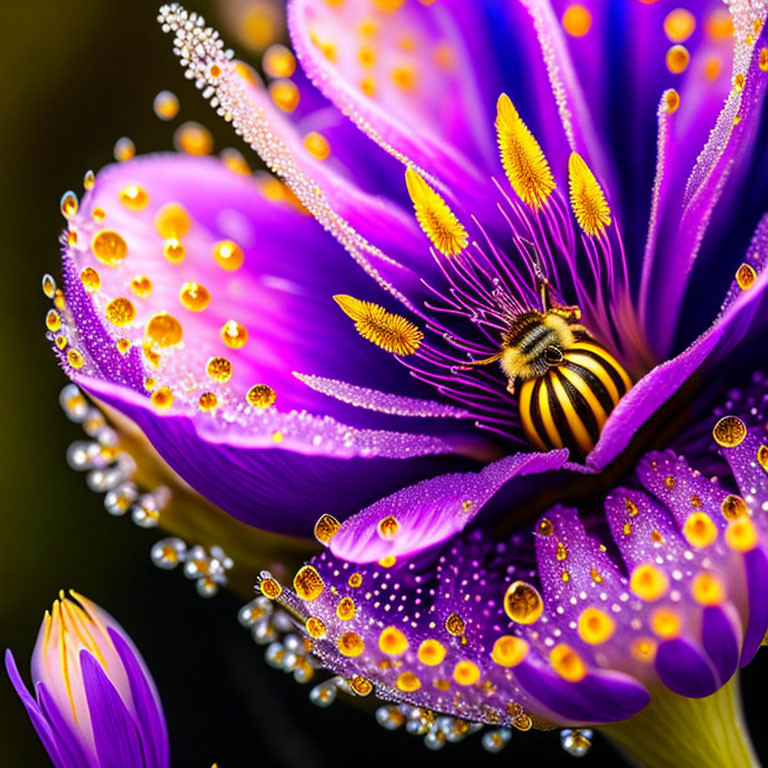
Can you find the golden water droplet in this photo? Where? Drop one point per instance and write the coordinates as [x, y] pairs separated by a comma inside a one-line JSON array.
[[164, 329], [326, 528], [762, 456], [595, 576], [59, 301], [745, 277], [677, 59], [355, 580], [89, 180], [194, 297], [172, 220], [207, 402], [123, 345], [120, 311], [729, 431], [261, 396], [315, 628], [174, 251], [234, 335], [345, 610], [134, 198], [278, 61], [162, 398], [271, 588], [455, 625], [61, 342], [71, 237], [228, 255], [99, 214], [193, 138], [360, 685], [317, 145], [561, 552], [90, 279], [219, 369], [124, 149], [672, 100], [141, 286], [739, 81], [762, 60], [523, 603], [350, 644], [235, 161], [577, 20], [75, 359], [669, 481], [69, 204], [49, 286], [166, 105], [679, 25], [53, 320], [285, 94], [307, 583], [388, 527], [109, 247], [734, 507]]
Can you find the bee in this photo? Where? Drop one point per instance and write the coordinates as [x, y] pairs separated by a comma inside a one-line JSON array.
[[565, 382]]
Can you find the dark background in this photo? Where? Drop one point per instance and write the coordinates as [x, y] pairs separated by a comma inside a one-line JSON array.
[[78, 75]]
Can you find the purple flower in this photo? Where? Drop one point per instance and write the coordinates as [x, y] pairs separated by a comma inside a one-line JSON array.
[[95, 703], [537, 338]]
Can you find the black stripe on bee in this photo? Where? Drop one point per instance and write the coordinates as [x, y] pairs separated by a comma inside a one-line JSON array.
[[616, 378], [595, 385]]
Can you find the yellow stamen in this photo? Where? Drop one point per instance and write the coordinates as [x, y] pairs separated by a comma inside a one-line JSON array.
[[436, 219], [587, 199], [391, 332], [524, 162]]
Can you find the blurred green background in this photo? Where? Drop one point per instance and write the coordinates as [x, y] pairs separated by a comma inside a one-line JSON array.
[[78, 75]]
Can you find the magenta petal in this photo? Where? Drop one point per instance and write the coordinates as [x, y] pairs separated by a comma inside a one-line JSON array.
[[433, 510], [114, 730]]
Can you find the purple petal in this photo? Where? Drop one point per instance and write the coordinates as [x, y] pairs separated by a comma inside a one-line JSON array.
[[434, 510], [146, 702], [658, 386], [721, 641], [75, 752], [756, 563], [684, 669], [286, 474], [600, 697], [41, 725], [115, 734]]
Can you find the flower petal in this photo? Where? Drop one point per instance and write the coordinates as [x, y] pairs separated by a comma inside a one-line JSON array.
[[425, 514], [114, 730]]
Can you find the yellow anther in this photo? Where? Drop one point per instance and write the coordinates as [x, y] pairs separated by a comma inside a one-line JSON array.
[[523, 159], [391, 332], [587, 199], [436, 219]]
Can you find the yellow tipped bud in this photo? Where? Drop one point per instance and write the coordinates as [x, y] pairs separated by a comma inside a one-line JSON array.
[[436, 219], [587, 199], [391, 332], [524, 162]]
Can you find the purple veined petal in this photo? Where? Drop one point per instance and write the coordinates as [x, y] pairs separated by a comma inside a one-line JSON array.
[[432, 511], [599, 697], [146, 703], [115, 733], [684, 669], [660, 384], [382, 402], [418, 98], [290, 470], [688, 216], [41, 724]]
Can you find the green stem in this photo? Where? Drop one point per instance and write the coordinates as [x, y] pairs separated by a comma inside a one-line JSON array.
[[677, 732]]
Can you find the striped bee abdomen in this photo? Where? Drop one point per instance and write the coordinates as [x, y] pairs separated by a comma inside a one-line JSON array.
[[568, 405]]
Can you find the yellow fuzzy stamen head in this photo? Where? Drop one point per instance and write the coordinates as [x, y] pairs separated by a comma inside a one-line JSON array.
[[524, 162], [587, 199], [436, 219], [391, 332]]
